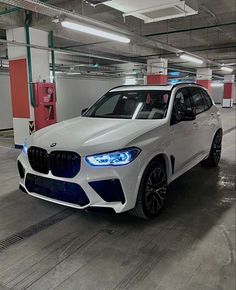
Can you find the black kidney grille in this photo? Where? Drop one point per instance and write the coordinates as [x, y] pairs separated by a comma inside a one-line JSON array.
[[64, 164], [61, 163], [38, 159]]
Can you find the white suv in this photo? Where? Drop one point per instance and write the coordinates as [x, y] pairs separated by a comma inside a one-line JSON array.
[[124, 150]]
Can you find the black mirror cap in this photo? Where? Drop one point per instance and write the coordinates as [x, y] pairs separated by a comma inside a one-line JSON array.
[[189, 116], [84, 111]]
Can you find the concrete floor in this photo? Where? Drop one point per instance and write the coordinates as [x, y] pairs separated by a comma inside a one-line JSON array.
[[191, 246]]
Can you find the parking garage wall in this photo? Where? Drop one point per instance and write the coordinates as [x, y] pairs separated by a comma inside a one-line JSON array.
[[6, 120], [77, 93], [217, 94]]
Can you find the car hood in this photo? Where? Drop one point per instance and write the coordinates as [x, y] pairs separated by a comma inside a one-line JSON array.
[[92, 135]]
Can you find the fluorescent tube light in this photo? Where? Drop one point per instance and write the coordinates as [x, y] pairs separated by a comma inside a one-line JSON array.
[[94, 31], [191, 58], [129, 81], [217, 85], [227, 69], [73, 73]]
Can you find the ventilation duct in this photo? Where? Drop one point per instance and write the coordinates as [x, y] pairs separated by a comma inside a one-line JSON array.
[[94, 3], [155, 10]]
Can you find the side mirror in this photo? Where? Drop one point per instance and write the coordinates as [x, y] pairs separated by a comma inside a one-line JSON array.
[[84, 111], [188, 115], [184, 115]]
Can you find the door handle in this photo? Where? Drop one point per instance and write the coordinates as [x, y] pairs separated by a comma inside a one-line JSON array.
[[212, 115]]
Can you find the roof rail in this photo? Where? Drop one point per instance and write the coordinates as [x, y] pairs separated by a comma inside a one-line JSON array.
[[121, 86], [187, 83], [173, 86], [138, 85]]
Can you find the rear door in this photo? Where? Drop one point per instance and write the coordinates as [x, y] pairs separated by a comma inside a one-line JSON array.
[[202, 120], [212, 115]]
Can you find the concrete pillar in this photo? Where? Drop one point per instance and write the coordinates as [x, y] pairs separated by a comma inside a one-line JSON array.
[[204, 77], [26, 67], [229, 91], [157, 71]]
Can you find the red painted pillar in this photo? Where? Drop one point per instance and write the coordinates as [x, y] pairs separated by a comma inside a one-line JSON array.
[[157, 70], [229, 91], [205, 83], [204, 78], [157, 79]]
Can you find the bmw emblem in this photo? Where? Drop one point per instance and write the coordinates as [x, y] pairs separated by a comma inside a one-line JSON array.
[[53, 145]]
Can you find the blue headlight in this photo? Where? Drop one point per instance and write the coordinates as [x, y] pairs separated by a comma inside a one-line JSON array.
[[25, 149], [117, 158]]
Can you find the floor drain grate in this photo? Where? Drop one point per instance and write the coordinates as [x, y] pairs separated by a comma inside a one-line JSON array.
[[6, 243], [34, 229]]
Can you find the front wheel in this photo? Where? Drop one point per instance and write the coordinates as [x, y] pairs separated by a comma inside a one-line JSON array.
[[152, 191], [215, 153]]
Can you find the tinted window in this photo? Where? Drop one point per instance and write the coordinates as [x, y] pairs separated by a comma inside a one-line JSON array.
[[198, 101], [207, 99], [131, 105], [182, 103]]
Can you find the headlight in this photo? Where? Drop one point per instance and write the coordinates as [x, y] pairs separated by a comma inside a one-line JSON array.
[[25, 149], [116, 158]]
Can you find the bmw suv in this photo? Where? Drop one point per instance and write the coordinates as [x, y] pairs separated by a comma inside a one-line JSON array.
[[124, 150]]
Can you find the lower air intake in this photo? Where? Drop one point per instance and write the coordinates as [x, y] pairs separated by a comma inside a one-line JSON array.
[[56, 189]]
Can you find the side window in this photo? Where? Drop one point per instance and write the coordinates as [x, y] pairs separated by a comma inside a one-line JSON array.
[[198, 101], [182, 103], [207, 99]]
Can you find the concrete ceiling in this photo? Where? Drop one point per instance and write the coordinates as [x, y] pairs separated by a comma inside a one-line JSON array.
[[215, 41]]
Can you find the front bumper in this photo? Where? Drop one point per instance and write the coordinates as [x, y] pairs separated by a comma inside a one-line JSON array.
[[110, 187]]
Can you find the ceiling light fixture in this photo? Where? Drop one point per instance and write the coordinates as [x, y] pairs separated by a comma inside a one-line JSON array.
[[129, 81], [227, 69], [94, 31], [217, 85], [191, 58]]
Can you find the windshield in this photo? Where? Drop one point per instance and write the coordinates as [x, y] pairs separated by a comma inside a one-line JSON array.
[[151, 104]]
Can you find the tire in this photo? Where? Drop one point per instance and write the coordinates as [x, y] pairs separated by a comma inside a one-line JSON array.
[[215, 153], [152, 192]]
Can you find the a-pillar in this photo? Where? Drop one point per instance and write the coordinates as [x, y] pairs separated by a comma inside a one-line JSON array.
[[229, 91], [157, 71], [204, 77], [26, 66]]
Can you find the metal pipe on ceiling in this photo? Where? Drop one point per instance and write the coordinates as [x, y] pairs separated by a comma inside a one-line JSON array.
[[10, 10], [84, 54], [194, 50], [191, 29], [62, 51]]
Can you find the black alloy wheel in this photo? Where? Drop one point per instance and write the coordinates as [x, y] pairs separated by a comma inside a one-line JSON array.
[[152, 191], [215, 153]]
